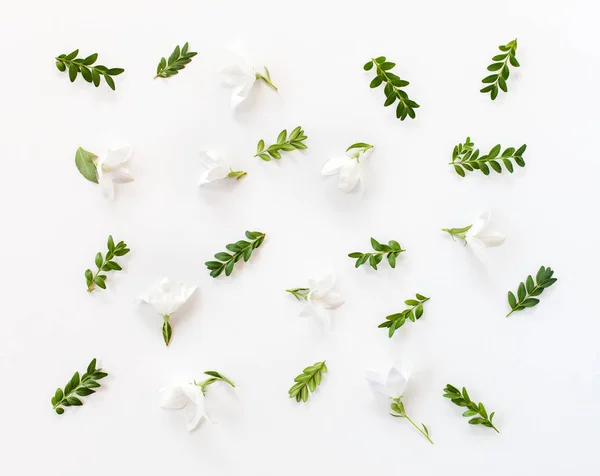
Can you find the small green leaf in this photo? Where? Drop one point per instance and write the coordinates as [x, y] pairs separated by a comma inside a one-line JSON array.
[[84, 161]]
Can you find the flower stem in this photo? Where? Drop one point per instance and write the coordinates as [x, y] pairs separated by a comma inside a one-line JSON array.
[[299, 293], [417, 427], [267, 80]]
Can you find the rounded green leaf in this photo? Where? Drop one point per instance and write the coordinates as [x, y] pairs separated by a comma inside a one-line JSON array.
[[84, 161]]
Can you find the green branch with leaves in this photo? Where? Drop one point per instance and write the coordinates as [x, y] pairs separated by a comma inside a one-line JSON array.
[[284, 143], [308, 380], [239, 250], [393, 87], [528, 290], [500, 69], [477, 411], [464, 158], [391, 251], [105, 264], [77, 387], [90, 72], [412, 313], [176, 62]]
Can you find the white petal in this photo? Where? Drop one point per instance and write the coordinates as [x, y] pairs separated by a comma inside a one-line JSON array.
[[240, 93], [395, 383], [173, 398], [333, 166], [480, 224], [489, 238], [216, 173], [239, 73], [323, 283], [349, 176], [106, 183], [121, 175], [318, 306], [375, 382], [167, 297], [117, 157], [333, 300]]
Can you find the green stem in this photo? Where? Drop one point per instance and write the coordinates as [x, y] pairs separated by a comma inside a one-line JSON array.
[[266, 80], [299, 293], [418, 428]]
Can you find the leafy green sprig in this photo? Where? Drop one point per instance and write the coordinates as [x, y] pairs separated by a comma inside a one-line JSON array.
[[284, 142], [473, 409], [464, 158], [398, 411], [308, 380], [412, 313], [105, 264], [85, 66], [176, 62], [500, 69], [214, 377], [393, 87], [299, 293], [391, 251], [77, 386], [240, 249], [529, 289]]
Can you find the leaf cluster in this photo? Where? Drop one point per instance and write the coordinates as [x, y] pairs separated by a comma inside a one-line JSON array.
[[90, 72], [412, 313], [393, 87], [465, 158], [105, 264], [77, 386], [528, 290], [473, 409], [500, 69], [84, 161], [176, 62], [308, 380], [284, 142], [391, 251], [240, 249]]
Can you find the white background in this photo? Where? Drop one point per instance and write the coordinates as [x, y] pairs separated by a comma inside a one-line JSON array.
[[538, 370]]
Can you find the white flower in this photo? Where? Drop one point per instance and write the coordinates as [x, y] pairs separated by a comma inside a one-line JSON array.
[[392, 386], [166, 298], [242, 77], [217, 168], [348, 167], [322, 298], [188, 397], [111, 170], [481, 235]]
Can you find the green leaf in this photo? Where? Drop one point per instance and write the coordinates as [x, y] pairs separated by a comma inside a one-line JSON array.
[[84, 162], [240, 249], [368, 66], [78, 386]]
